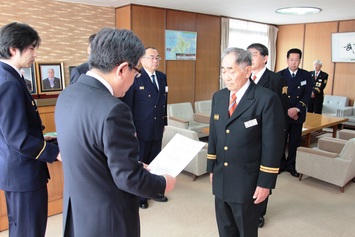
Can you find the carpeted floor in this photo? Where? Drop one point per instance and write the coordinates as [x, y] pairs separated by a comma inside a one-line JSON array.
[[307, 208]]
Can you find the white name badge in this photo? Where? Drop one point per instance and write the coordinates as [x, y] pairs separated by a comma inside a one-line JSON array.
[[166, 89], [250, 123], [303, 83]]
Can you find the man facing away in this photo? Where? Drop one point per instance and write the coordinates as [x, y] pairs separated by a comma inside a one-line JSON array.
[[243, 157], [103, 178], [262, 76], [147, 99], [82, 68], [299, 93], [320, 81], [24, 153]]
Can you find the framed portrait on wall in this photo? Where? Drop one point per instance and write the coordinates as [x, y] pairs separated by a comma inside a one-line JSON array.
[[30, 79], [50, 77]]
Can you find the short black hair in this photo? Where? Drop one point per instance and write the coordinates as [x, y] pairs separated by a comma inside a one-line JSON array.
[[91, 38], [112, 46], [294, 50], [19, 36], [260, 47]]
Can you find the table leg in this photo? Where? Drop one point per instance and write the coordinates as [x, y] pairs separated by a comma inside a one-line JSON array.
[[308, 140], [335, 129]]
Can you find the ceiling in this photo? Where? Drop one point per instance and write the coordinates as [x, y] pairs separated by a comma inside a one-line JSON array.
[[252, 10]]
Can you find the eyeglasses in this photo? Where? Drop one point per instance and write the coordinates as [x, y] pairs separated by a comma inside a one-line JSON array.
[[138, 71], [152, 58]]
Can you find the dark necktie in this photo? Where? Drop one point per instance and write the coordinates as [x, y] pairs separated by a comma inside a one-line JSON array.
[[293, 75], [154, 82], [232, 105]]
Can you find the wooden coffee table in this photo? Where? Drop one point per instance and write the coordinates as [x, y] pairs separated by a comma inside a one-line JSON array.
[[315, 122]]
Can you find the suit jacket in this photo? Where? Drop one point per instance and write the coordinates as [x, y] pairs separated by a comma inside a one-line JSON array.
[[277, 84], [299, 92], [319, 83], [47, 85], [23, 151], [244, 150], [77, 71], [148, 106], [102, 175]]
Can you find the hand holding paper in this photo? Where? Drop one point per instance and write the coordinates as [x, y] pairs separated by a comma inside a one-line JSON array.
[[175, 156]]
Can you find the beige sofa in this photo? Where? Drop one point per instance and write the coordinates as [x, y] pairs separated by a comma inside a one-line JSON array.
[[332, 103], [198, 164], [348, 112], [182, 115], [333, 161]]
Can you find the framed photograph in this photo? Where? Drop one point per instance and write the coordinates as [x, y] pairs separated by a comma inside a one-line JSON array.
[[343, 47], [30, 79], [50, 77]]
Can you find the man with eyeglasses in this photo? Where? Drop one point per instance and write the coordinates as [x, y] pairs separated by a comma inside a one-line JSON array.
[[103, 178], [147, 98]]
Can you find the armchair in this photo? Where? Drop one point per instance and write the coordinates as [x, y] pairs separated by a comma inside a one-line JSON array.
[[348, 112], [203, 107], [333, 161], [182, 115], [198, 164], [332, 103], [346, 134]]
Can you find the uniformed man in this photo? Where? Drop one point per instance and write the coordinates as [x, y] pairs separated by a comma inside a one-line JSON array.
[[244, 152], [320, 81], [299, 93]]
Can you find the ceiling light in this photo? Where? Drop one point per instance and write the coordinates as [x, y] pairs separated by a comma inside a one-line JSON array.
[[298, 10]]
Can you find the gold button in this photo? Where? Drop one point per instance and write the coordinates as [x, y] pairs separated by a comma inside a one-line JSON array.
[[298, 97], [289, 96], [225, 163], [227, 131], [149, 96], [298, 87], [33, 103], [225, 148], [155, 117]]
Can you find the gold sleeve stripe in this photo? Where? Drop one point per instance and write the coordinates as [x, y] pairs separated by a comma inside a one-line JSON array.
[[303, 104], [269, 169], [211, 157], [44, 147]]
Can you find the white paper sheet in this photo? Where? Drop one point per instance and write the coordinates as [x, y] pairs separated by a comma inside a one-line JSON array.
[[175, 156]]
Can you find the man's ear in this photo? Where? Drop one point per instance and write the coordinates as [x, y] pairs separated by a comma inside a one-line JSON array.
[[13, 51], [120, 68]]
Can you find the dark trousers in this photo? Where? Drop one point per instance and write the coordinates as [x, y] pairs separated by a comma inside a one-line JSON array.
[[294, 136], [27, 212], [316, 105], [237, 220], [148, 150]]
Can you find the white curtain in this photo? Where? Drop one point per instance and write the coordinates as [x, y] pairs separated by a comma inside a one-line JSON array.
[[244, 33]]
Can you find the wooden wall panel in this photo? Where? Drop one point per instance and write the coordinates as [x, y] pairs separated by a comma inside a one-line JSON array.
[[290, 36], [123, 17], [208, 54], [180, 74], [317, 46], [344, 72]]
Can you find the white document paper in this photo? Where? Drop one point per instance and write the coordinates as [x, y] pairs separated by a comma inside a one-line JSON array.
[[175, 156]]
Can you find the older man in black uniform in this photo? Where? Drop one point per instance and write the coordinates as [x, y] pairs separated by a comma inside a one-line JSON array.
[[244, 152], [320, 81], [299, 93]]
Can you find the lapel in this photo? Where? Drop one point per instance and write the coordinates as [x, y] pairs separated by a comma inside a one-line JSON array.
[[17, 77], [265, 79], [246, 101]]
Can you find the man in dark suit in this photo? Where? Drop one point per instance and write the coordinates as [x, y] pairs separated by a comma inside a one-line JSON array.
[[23, 149], [147, 99], [244, 149], [82, 68], [51, 82], [262, 76], [320, 81], [102, 175], [299, 93]]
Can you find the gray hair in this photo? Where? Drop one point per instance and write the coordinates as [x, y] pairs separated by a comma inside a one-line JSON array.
[[112, 46], [318, 62], [242, 57]]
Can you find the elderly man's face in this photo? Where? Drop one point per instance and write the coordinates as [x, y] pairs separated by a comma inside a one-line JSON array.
[[50, 73], [234, 76]]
